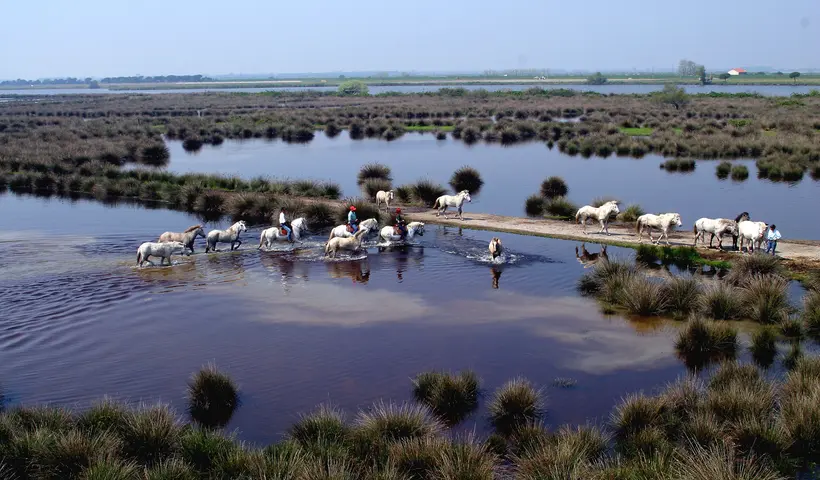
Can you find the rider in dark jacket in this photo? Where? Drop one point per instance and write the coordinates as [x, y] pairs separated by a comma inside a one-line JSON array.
[[401, 224]]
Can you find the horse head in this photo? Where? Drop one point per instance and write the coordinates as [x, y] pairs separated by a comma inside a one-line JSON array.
[[390, 194], [239, 227], [742, 217], [466, 195], [199, 232], [676, 218], [417, 227]]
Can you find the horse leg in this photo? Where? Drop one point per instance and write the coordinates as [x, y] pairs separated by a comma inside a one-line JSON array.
[[238, 243], [461, 213]]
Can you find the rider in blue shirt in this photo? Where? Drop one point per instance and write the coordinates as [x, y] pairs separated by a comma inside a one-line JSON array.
[[352, 220]]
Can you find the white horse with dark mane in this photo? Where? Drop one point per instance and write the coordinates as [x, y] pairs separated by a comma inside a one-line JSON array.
[[717, 227], [663, 222], [342, 232], [231, 235], [740, 218], [187, 237], [352, 244], [752, 232], [384, 197], [158, 249], [456, 201], [601, 214], [279, 234], [392, 234]]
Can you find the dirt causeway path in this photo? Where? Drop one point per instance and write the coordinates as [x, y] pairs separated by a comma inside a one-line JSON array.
[[800, 255]]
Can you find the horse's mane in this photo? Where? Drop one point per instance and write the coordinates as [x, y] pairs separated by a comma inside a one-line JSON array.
[[192, 228], [737, 219]]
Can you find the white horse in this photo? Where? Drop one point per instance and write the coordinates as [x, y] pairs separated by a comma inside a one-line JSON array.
[[495, 247], [187, 237], [231, 235], [274, 234], [390, 233], [341, 231], [352, 244], [382, 196], [718, 227], [158, 249], [663, 222], [456, 201], [752, 232], [601, 213]]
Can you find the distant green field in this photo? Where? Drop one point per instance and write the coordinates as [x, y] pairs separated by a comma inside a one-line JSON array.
[[637, 131]]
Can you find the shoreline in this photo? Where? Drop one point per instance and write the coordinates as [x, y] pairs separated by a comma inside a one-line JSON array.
[[798, 255]]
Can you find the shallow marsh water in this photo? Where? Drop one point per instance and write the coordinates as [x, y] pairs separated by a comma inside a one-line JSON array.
[[513, 173], [80, 321]]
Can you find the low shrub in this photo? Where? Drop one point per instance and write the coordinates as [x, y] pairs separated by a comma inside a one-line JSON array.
[[560, 207], [150, 435], [426, 192], [748, 266], [373, 170], [723, 169], [534, 206], [213, 397], [554, 187], [451, 397], [740, 173], [326, 425], [678, 165], [631, 213], [467, 178], [811, 314], [372, 186]]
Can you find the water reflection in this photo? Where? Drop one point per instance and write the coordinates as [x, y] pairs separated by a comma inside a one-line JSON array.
[[401, 255], [588, 259], [496, 272], [357, 270]]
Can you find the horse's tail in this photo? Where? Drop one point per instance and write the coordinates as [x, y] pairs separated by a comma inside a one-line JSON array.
[[435, 204], [638, 226], [261, 240], [139, 257], [695, 228], [578, 216], [331, 235]]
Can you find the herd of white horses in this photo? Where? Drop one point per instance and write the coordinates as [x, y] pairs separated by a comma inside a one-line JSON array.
[[341, 239], [741, 228]]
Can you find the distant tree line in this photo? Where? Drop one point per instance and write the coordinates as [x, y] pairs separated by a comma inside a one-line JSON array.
[[88, 80]]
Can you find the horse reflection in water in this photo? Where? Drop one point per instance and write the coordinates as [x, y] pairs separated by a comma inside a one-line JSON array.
[[588, 259], [496, 271], [405, 254], [357, 270], [289, 267]]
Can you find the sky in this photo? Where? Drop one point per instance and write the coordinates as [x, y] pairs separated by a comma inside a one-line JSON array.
[[56, 38]]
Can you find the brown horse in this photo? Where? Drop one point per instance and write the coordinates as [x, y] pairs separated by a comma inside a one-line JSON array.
[[589, 259]]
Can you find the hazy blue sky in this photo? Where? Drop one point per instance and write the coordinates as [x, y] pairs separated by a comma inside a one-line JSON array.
[[151, 37]]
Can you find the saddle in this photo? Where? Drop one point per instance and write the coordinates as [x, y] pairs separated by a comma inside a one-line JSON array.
[[349, 228], [399, 230], [283, 232]]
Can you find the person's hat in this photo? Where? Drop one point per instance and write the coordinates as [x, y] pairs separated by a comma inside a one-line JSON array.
[[352, 208]]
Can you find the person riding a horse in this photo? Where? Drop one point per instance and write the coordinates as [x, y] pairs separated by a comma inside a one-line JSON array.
[[400, 225], [285, 225], [352, 221]]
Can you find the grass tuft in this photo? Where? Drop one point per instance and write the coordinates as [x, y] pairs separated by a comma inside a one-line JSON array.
[[373, 170], [213, 397], [554, 187], [702, 342], [467, 178], [451, 397], [514, 404]]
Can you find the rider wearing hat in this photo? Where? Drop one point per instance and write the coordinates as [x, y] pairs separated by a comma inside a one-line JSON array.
[[401, 224], [352, 220]]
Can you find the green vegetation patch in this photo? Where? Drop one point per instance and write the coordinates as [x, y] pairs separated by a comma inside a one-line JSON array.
[[637, 131]]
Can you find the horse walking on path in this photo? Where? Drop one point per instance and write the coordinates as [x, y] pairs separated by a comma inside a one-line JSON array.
[[231, 235], [187, 237], [663, 222], [456, 201], [752, 232], [717, 227], [601, 213]]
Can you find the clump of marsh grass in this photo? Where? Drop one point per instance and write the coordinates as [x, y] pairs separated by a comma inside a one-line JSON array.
[[720, 461], [467, 178], [636, 413], [764, 347], [528, 437], [748, 266], [466, 459], [155, 155], [811, 314], [426, 192], [740, 173], [723, 169], [29, 419], [560, 207], [678, 165], [106, 415], [701, 342], [734, 373], [73, 451], [683, 294], [373, 170], [722, 302], [515, 403], [371, 186], [210, 202], [192, 144], [213, 397], [203, 448], [631, 213], [594, 282], [766, 298], [534, 206], [114, 469], [643, 297], [451, 397], [326, 425], [173, 468], [388, 422], [791, 328], [150, 435], [554, 187], [737, 401], [319, 215], [364, 210]]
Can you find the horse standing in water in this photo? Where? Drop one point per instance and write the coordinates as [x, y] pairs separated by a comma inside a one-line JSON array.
[[231, 235], [601, 213], [384, 197], [187, 237], [456, 201], [392, 234], [351, 244], [663, 222]]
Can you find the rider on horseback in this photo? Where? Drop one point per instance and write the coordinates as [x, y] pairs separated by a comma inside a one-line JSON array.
[[401, 224], [352, 221], [284, 224]]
